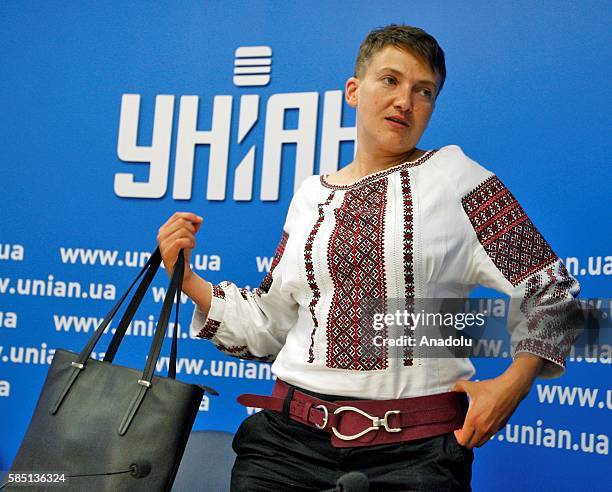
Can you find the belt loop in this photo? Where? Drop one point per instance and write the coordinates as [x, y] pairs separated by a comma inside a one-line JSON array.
[[287, 403]]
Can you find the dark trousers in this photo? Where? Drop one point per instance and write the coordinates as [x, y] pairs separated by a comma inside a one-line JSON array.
[[275, 453]]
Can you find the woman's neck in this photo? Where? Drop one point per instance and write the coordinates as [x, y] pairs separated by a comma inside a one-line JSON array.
[[364, 164]]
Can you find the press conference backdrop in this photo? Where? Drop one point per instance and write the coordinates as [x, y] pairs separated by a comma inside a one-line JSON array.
[[115, 116]]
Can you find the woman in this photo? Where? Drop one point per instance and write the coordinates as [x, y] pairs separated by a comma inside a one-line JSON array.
[[396, 223]]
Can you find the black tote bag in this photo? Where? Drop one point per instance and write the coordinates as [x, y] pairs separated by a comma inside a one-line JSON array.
[[107, 427]]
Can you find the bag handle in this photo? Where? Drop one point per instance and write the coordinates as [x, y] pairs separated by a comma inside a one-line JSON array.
[[129, 313], [176, 285], [147, 375], [152, 265], [150, 268]]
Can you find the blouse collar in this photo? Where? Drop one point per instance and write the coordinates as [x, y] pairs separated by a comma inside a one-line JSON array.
[[378, 174]]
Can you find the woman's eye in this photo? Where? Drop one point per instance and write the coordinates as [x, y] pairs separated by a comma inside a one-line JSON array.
[[427, 93], [389, 80]]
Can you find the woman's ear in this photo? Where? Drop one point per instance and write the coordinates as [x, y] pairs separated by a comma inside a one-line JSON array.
[[350, 91]]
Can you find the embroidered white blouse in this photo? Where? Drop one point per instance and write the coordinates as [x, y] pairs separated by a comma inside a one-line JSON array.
[[432, 228]]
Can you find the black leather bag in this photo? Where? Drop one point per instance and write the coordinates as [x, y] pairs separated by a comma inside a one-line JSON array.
[[109, 427]]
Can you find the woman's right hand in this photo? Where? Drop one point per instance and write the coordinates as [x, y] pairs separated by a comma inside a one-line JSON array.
[[178, 233]]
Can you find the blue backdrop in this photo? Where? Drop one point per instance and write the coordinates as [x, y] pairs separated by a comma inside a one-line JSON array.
[[102, 105]]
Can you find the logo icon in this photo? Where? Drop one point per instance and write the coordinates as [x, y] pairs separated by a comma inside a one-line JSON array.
[[252, 66]]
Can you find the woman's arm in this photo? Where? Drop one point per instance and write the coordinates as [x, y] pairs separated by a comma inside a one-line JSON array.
[[511, 256], [243, 323]]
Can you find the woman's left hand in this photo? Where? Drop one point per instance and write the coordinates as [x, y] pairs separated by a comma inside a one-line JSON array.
[[493, 401]]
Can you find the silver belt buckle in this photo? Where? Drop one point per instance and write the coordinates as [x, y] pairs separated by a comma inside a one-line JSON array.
[[377, 423], [325, 416]]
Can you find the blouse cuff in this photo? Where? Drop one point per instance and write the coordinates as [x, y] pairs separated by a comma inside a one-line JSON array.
[[554, 361], [206, 325]]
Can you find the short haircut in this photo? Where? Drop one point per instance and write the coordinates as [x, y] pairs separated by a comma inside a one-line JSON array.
[[412, 39]]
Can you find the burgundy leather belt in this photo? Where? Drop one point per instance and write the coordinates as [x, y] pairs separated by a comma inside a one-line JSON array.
[[354, 423]]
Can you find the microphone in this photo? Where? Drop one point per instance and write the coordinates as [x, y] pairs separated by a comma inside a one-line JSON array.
[[138, 469], [351, 482]]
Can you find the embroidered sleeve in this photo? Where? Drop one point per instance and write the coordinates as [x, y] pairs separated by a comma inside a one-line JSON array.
[[512, 256], [251, 324]]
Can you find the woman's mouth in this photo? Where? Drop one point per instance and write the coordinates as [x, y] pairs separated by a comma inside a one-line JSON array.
[[397, 123]]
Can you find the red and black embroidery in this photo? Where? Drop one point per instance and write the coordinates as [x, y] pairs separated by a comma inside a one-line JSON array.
[[266, 283], [310, 275], [218, 292], [355, 256], [242, 352], [209, 329], [211, 326], [554, 316], [380, 174], [506, 233], [408, 256]]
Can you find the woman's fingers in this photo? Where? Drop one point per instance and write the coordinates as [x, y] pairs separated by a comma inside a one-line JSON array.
[[177, 225], [172, 244], [183, 215], [177, 233], [177, 221]]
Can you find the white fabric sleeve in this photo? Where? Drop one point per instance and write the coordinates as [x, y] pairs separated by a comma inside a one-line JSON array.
[[511, 256], [252, 324]]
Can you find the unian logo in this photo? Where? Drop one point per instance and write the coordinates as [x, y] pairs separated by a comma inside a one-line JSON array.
[[252, 66], [217, 137]]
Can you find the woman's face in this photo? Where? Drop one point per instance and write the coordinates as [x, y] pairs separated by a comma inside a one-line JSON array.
[[394, 98]]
